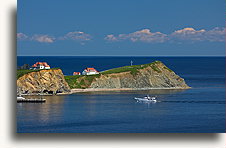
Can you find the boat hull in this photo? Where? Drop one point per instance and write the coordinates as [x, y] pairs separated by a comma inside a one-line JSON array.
[[144, 100], [31, 100]]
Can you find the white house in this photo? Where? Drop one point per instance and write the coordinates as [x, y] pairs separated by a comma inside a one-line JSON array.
[[90, 71], [40, 65]]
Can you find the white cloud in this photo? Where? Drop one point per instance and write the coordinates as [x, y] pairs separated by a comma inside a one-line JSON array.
[[111, 37], [43, 38], [190, 34], [38, 38], [22, 36], [187, 34], [144, 35], [216, 35], [76, 36]]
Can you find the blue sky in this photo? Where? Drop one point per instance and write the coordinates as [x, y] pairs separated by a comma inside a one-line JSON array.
[[121, 27]]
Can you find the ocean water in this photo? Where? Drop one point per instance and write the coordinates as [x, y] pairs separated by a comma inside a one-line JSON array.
[[200, 109]]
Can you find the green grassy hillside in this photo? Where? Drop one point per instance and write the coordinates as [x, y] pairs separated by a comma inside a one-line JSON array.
[[84, 81]]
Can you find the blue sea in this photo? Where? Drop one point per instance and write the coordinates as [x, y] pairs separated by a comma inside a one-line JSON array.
[[200, 109]]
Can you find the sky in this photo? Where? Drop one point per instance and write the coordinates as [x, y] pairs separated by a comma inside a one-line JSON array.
[[121, 27]]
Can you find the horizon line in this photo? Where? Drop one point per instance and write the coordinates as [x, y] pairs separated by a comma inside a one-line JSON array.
[[129, 55]]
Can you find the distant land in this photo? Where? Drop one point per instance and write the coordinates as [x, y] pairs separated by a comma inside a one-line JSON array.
[[154, 75]]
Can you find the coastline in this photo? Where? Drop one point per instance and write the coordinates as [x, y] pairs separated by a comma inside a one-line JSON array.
[[124, 78], [73, 91], [121, 89]]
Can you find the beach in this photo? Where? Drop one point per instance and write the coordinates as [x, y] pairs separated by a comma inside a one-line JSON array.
[[123, 89], [106, 90]]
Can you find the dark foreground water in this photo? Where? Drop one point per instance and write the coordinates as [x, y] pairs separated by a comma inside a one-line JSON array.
[[200, 109]]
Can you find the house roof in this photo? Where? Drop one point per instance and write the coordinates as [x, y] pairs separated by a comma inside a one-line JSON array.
[[90, 69], [34, 65], [76, 72], [40, 63]]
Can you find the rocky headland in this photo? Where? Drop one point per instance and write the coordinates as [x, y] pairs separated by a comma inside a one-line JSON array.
[[154, 75], [42, 82], [147, 76]]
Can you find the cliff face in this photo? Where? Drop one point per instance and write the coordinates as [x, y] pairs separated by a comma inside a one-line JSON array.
[[156, 75], [45, 81], [147, 76]]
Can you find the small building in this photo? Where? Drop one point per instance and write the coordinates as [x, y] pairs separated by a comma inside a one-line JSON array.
[[90, 71], [40, 65], [76, 73]]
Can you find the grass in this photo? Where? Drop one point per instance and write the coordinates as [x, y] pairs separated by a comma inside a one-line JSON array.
[[133, 69], [84, 81], [72, 81], [167, 69], [22, 72], [80, 81]]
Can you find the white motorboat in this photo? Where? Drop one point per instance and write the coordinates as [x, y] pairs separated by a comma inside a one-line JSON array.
[[146, 99], [20, 98]]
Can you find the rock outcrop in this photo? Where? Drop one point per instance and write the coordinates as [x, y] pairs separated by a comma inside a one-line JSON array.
[[146, 76], [154, 75], [44, 81]]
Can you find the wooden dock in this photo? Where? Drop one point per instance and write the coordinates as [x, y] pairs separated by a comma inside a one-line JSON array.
[[31, 100]]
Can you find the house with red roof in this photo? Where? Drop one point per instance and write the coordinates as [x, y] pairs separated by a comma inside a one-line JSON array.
[[40, 65], [90, 71], [76, 73]]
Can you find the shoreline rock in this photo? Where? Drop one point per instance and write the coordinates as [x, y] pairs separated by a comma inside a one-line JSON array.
[[153, 75], [124, 89], [137, 77], [42, 82], [73, 91]]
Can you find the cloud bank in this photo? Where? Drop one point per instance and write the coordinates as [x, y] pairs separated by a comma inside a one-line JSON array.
[[76, 36], [186, 34], [38, 38], [43, 38], [144, 35], [21, 36], [192, 35]]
